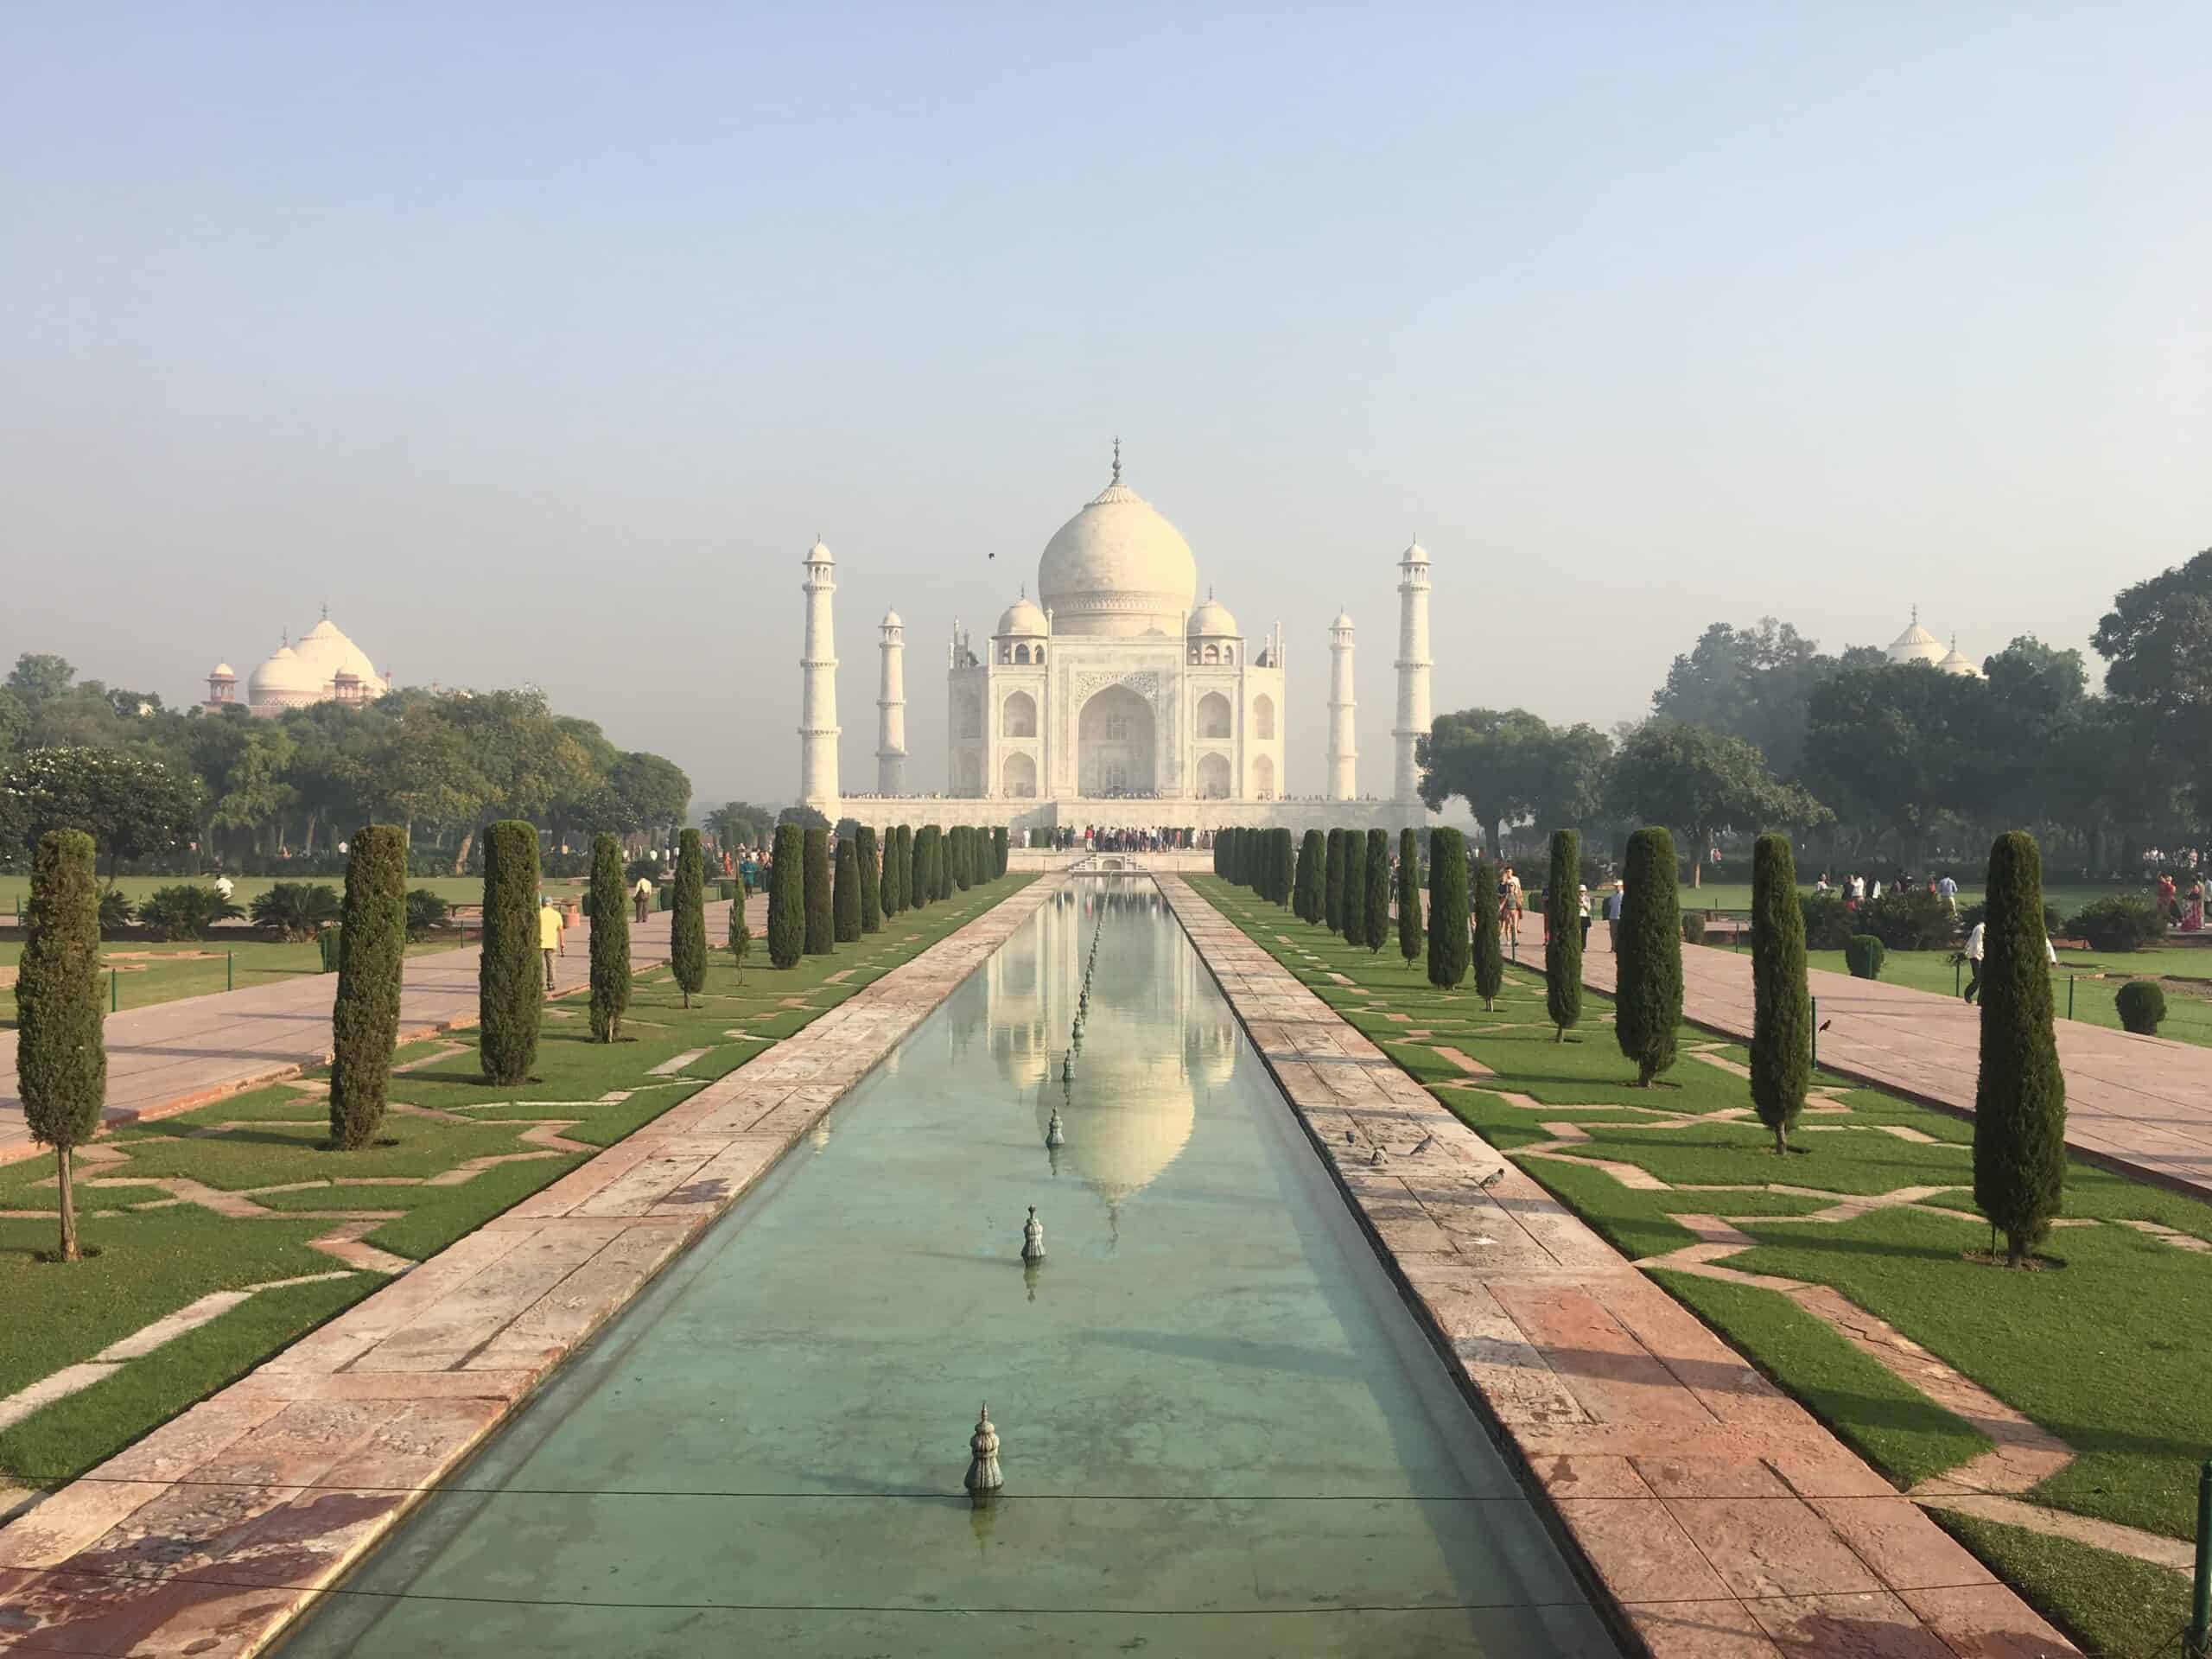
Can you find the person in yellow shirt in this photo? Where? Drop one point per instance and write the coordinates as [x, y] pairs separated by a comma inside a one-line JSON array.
[[549, 934]]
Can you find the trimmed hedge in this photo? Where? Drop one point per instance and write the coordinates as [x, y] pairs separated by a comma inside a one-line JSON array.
[[365, 1015], [788, 897], [1863, 954], [510, 975], [2122, 922], [1693, 927], [1648, 998], [2019, 1104], [2142, 1004]]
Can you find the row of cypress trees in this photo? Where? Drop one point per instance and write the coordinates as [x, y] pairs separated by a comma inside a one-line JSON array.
[[819, 899]]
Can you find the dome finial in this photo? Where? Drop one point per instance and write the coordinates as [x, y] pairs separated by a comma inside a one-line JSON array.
[[1915, 616], [1117, 458]]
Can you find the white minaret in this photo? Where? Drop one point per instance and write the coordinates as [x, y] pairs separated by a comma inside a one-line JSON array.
[[891, 709], [1413, 713], [817, 725], [1343, 751]]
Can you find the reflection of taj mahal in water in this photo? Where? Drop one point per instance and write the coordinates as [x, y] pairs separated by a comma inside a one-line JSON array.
[[1115, 697], [1133, 1103]]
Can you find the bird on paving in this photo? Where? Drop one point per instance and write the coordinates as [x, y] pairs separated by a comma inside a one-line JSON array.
[[1494, 1177]]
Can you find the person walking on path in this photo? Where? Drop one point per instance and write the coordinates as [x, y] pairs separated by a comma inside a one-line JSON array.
[[1973, 963], [1613, 909], [223, 888], [642, 895], [549, 934], [1949, 891], [1509, 907], [1582, 901]]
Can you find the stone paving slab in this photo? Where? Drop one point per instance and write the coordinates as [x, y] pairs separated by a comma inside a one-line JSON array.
[[210, 1535], [2144, 1103], [1723, 1520], [175, 1056]]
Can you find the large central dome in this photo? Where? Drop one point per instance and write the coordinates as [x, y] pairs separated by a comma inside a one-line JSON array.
[[1117, 568]]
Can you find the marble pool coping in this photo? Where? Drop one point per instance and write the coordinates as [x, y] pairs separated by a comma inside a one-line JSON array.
[[212, 1534], [1719, 1517]]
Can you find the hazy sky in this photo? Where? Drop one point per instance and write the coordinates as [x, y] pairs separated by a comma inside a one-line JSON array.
[[542, 340]]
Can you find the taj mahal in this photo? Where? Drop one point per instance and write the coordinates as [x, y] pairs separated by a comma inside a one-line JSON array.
[[1115, 697]]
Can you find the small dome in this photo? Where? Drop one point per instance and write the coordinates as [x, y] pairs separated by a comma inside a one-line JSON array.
[[222, 671], [1414, 555], [819, 553], [1213, 618], [1959, 663], [285, 675], [1916, 644], [1343, 622], [891, 620], [1021, 617]]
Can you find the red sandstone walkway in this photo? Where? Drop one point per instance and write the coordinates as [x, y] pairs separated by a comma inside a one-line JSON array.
[[1724, 1520], [175, 1055], [2142, 1102]]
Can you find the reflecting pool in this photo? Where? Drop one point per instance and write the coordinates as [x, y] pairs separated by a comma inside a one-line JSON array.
[[1220, 1431]]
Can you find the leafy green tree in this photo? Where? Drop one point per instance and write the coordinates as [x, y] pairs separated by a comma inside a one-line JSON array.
[[1375, 912], [871, 881], [365, 1018], [1313, 859], [2157, 644], [1755, 682], [132, 807], [38, 676], [1894, 749], [1703, 784], [1410, 941], [1447, 908], [1563, 934], [740, 824], [61, 1050], [845, 899], [1332, 894], [1355, 898], [185, 911], [2020, 1101], [1781, 1007], [787, 897], [1508, 764], [821, 915], [610, 940], [687, 922], [1648, 994], [740, 937], [1489, 949], [298, 911], [510, 975]]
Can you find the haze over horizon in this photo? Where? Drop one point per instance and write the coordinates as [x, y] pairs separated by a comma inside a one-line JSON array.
[[540, 343]]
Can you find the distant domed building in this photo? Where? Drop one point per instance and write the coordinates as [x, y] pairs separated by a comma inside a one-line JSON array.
[[324, 667], [1916, 644]]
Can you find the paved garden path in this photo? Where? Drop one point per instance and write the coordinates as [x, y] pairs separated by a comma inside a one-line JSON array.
[[1723, 1518], [177, 1055], [2141, 1102]]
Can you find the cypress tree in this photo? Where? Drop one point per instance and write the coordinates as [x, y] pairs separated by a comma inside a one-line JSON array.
[[1313, 854], [871, 880], [1782, 1006], [1229, 870], [1648, 994], [1355, 907], [963, 868], [1375, 913], [740, 940], [895, 861], [510, 973], [905, 868], [1563, 934], [787, 897], [1488, 952], [1285, 866], [1220, 853], [1001, 845], [1332, 890], [845, 902], [1410, 940], [940, 866], [364, 1017], [917, 867], [687, 922], [1447, 908], [2020, 1101], [820, 916], [610, 939], [60, 1049]]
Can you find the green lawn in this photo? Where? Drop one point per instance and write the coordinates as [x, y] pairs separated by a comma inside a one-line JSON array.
[[2064, 897], [15, 889], [154, 1261], [143, 975], [2103, 1350]]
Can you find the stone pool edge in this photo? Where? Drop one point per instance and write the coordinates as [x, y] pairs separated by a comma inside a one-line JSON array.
[[1717, 1518], [214, 1532]]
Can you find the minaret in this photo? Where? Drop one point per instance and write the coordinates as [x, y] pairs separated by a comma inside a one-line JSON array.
[[1343, 751], [1413, 665], [817, 727], [891, 709]]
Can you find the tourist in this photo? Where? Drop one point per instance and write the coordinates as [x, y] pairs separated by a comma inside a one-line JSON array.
[[223, 888], [642, 896], [1582, 898], [549, 935], [1509, 907], [2168, 899], [1949, 891], [1974, 962], [1614, 900], [2192, 915], [1822, 884]]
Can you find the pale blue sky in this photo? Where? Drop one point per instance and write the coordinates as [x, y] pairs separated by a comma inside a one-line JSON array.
[[542, 340]]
